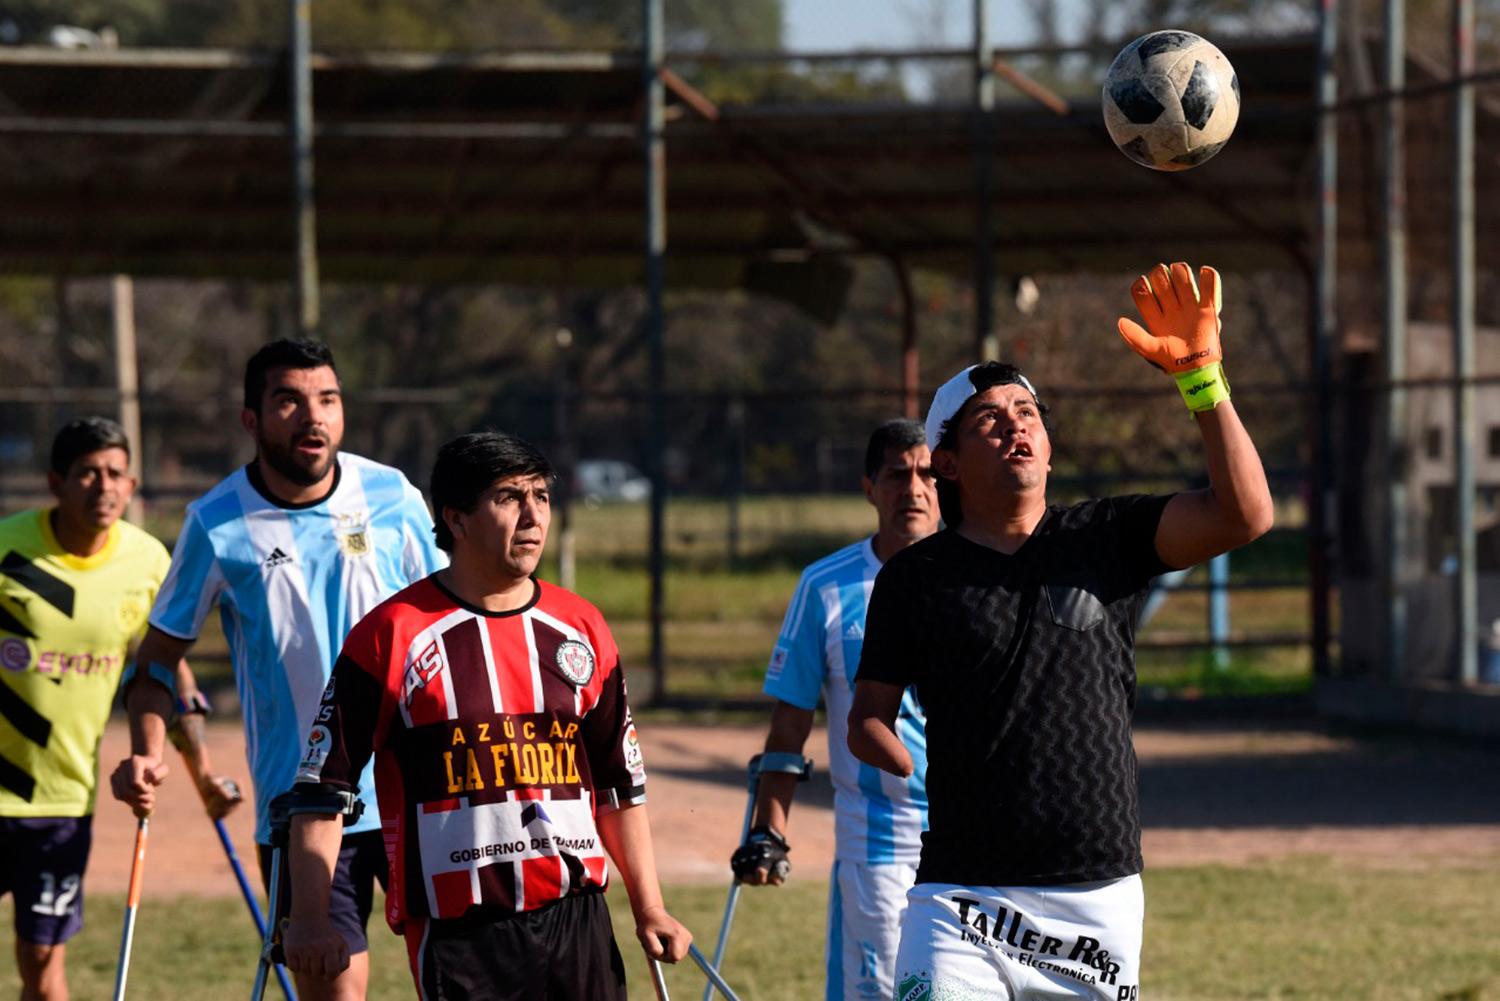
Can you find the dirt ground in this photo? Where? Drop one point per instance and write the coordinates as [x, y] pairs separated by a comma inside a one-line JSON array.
[[1211, 792]]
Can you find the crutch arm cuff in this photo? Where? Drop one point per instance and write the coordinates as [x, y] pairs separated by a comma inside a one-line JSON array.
[[783, 763], [315, 798], [159, 673], [607, 801]]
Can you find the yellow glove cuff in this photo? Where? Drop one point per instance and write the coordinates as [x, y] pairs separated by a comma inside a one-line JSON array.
[[1203, 388]]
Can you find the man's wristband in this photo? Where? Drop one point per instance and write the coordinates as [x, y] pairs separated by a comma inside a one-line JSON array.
[[1203, 388]]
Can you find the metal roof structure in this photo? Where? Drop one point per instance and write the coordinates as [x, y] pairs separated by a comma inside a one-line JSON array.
[[526, 169]]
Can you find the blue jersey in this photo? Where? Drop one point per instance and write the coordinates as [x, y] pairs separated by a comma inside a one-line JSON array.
[[878, 817], [290, 582]]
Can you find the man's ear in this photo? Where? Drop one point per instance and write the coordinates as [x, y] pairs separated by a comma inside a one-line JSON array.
[[869, 487], [249, 420], [945, 463], [54, 483]]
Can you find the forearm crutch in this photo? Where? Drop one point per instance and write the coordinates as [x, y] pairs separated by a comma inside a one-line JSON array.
[[248, 893], [776, 762], [294, 802], [132, 905], [659, 982]]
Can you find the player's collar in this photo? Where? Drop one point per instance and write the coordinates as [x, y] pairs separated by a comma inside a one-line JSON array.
[[258, 482], [72, 560]]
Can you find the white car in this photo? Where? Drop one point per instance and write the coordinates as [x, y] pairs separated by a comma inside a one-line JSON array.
[[599, 480]]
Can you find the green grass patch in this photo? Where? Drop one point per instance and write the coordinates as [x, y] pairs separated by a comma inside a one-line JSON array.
[[1308, 929], [1248, 671]]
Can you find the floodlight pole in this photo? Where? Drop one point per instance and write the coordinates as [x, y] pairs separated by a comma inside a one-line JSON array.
[[986, 343], [1467, 597], [654, 148], [1393, 259], [305, 280], [1321, 499]]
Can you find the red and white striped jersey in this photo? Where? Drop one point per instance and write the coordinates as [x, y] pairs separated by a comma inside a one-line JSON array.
[[498, 737]]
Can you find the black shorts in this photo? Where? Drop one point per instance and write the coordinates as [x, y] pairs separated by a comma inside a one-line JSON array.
[[41, 863], [564, 951], [362, 863]]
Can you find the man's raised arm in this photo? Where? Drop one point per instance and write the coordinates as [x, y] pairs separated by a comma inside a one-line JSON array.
[[1181, 337]]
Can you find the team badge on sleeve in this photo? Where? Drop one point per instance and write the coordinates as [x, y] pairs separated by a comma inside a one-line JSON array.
[[319, 740], [778, 662], [576, 661], [634, 761]]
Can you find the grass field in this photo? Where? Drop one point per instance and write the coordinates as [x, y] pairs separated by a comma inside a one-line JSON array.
[[1310, 928], [723, 614]]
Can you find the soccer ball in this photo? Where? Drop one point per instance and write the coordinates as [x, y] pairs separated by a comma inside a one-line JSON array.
[[1171, 100]]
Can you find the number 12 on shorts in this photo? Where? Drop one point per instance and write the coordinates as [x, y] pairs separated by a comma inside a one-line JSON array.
[[56, 899]]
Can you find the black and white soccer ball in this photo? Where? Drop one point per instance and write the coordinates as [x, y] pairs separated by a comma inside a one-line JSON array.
[[1171, 100]]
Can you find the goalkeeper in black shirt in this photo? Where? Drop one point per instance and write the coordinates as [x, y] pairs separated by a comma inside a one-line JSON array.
[[1016, 625]]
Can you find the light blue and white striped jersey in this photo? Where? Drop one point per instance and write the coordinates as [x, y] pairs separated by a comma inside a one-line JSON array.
[[290, 582], [878, 817]]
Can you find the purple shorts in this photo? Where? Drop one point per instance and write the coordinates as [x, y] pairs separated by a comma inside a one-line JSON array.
[[41, 862], [362, 863]]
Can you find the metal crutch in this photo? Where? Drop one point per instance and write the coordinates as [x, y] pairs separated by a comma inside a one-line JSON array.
[[283, 808], [659, 982], [780, 762], [251, 903], [184, 737], [714, 980], [132, 906]]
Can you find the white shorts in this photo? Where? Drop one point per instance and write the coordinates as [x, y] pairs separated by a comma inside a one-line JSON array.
[[865, 905], [1022, 943]]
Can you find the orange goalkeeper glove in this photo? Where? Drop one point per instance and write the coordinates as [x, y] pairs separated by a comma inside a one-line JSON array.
[[1181, 336]]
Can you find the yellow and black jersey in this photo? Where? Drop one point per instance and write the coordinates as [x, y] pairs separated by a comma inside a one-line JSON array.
[[66, 626]]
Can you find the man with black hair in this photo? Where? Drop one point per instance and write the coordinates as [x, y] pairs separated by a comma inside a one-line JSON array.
[[879, 818], [294, 548], [1016, 625], [76, 583], [494, 707]]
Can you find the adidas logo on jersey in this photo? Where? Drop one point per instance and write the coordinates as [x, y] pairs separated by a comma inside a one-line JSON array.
[[277, 558], [854, 632]]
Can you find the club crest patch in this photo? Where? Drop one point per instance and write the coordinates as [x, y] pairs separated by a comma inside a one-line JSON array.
[[132, 610], [576, 661], [914, 987]]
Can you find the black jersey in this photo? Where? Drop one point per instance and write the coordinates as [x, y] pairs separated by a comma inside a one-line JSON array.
[[1025, 665]]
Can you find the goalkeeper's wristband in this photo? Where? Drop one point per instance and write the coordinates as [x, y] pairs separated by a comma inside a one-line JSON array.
[[1203, 388]]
